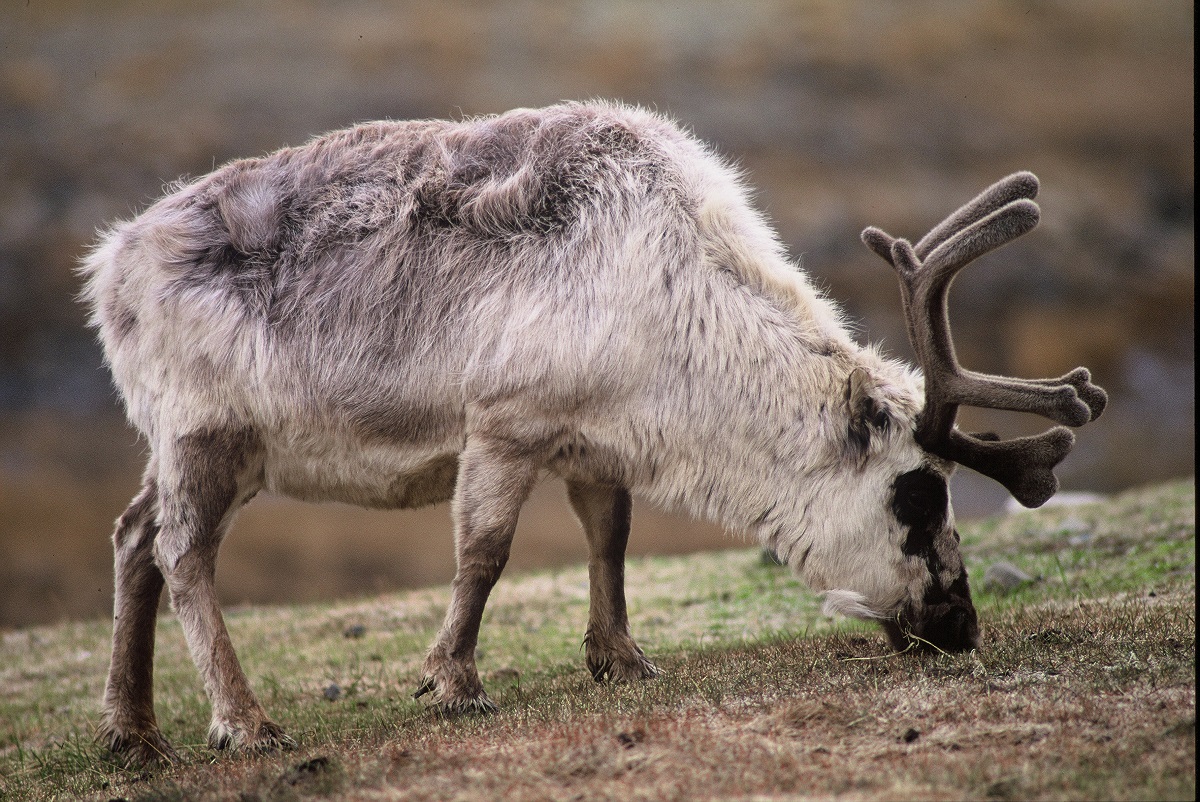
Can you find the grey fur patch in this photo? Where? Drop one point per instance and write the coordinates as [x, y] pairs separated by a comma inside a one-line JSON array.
[[121, 317], [396, 425], [251, 206]]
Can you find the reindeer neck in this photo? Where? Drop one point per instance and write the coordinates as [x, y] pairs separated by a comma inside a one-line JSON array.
[[754, 411]]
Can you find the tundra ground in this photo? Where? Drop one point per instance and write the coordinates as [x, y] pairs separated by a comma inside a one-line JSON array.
[[1084, 687]]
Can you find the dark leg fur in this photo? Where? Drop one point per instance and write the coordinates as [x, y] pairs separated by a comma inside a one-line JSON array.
[[128, 726], [611, 652]]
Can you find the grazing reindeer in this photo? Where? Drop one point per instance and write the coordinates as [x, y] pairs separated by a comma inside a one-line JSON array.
[[402, 313]]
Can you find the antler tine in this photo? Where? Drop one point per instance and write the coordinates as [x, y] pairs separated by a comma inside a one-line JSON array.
[[1022, 185], [1081, 379], [880, 242], [998, 215], [925, 287], [1024, 465], [1018, 186], [1058, 400]]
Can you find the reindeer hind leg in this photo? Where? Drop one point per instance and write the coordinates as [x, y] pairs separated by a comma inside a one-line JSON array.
[[207, 477], [611, 652], [128, 725]]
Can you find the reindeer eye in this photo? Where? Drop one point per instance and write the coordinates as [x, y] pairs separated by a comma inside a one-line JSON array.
[[920, 502]]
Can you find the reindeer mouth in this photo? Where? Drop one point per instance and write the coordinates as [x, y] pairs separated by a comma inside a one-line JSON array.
[[951, 626]]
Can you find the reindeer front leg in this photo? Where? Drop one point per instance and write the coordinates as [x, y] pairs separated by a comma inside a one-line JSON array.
[[611, 651], [494, 479]]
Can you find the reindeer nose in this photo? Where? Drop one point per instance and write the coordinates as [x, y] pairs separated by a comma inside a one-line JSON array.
[[954, 630]]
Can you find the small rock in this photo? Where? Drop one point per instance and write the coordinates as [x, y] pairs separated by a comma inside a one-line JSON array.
[[333, 692], [355, 631], [1074, 525], [1079, 532], [1004, 577]]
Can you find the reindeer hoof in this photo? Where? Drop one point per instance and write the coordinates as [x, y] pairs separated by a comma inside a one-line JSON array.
[[447, 704], [621, 667], [145, 749], [478, 705], [264, 737]]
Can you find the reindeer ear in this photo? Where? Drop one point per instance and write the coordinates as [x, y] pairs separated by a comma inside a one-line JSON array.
[[867, 414]]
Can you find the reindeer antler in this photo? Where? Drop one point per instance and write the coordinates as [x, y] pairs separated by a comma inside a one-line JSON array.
[[998, 215]]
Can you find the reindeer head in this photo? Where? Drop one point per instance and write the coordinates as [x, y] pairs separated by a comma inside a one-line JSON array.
[[942, 615]]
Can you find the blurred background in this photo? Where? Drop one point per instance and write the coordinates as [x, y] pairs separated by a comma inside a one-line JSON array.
[[844, 113]]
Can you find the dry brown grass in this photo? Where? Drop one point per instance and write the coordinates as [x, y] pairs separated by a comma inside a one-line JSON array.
[[1055, 706]]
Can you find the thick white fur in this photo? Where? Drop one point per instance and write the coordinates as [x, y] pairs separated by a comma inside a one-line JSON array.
[[660, 339]]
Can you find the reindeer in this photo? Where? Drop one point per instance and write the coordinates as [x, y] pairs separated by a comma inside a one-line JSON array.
[[403, 313]]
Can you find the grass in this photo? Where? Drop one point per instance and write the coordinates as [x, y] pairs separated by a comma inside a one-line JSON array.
[[1084, 686]]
